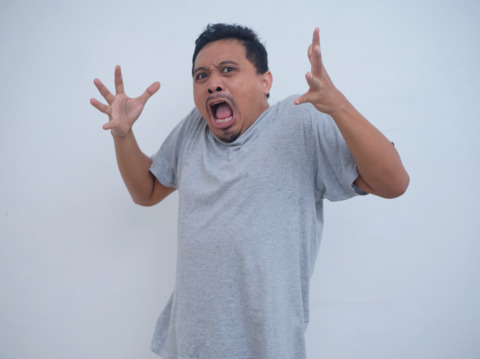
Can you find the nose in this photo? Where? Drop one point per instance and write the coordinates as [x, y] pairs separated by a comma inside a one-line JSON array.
[[218, 89], [215, 83]]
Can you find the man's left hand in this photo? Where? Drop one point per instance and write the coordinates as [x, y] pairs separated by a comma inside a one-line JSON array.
[[321, 93]]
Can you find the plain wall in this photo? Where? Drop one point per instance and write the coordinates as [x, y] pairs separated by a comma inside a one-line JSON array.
[[84, 272]]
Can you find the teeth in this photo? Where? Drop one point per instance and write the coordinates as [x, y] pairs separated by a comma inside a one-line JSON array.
[[217, 103], [218, 120]]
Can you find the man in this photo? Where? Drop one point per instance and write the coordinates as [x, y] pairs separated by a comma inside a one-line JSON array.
[[251, 181]]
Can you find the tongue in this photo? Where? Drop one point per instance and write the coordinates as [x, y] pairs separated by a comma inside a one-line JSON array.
[[223, 111]]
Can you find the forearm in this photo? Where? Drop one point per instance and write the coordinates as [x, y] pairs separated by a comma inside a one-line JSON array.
[[134, 167], [377, 160]]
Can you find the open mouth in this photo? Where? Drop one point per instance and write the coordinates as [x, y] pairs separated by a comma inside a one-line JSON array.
[[221, 111]]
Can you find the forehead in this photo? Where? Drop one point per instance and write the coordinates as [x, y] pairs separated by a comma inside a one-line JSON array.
[[221, 50]]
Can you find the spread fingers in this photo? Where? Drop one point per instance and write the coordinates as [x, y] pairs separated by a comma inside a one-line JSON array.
[[118, 80], [100, 106], [107, 95]]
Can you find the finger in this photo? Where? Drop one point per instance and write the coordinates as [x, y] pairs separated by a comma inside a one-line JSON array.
[[108, 126], [312, 84], [315, 53], [118, 80], [301, 99], [99, 106], [316, 38], [312, 81], [316, 61], [153, 88], [107, 95]]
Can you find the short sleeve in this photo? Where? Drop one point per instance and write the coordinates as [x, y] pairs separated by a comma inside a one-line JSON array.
[[166, 162], [335, 166]]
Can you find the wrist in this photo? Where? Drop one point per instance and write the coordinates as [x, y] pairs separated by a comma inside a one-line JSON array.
[[121, 136], [342, 107]]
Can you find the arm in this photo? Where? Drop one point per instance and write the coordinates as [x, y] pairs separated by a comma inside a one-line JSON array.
[[381, 171], [133, 164]]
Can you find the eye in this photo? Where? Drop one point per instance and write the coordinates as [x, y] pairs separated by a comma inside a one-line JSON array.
[[201, 76], [228, 69]]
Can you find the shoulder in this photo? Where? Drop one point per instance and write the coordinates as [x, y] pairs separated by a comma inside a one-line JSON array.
[[306, 110], [183, 132], [304, 115], [188, 126], [193, 120]]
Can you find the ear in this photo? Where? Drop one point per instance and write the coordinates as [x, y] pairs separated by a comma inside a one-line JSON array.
[[267, 80]]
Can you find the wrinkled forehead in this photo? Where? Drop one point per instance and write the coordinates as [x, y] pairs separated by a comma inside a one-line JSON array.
[[220, 51]]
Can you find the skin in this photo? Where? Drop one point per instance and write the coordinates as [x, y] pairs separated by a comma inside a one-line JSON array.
[[133, 164], [381, 171], [223, 73]]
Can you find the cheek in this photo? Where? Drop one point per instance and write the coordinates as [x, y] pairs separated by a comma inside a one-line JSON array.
[[199, 101], [195, 94]]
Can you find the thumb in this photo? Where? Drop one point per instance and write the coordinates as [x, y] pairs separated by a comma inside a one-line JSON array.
[[108, 125], [152, 89], [312, 84], [301, 99]]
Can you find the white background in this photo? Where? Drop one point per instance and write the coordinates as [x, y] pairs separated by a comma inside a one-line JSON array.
[[84, 272]]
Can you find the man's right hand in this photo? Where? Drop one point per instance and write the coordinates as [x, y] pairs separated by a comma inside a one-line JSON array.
[[122, 110]]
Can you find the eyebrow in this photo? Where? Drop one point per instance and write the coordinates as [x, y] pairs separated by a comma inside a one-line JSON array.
[[221, 64]]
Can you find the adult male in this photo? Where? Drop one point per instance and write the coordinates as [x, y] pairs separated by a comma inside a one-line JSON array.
[[251, 181]]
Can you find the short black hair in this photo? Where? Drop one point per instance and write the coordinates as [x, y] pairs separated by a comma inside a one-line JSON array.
[[256, 52]]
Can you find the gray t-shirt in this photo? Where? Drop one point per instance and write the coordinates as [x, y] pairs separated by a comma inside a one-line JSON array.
[[249, 228]]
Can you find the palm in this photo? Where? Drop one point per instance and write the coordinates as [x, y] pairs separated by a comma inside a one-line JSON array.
[[125, 111], [122, 110]]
